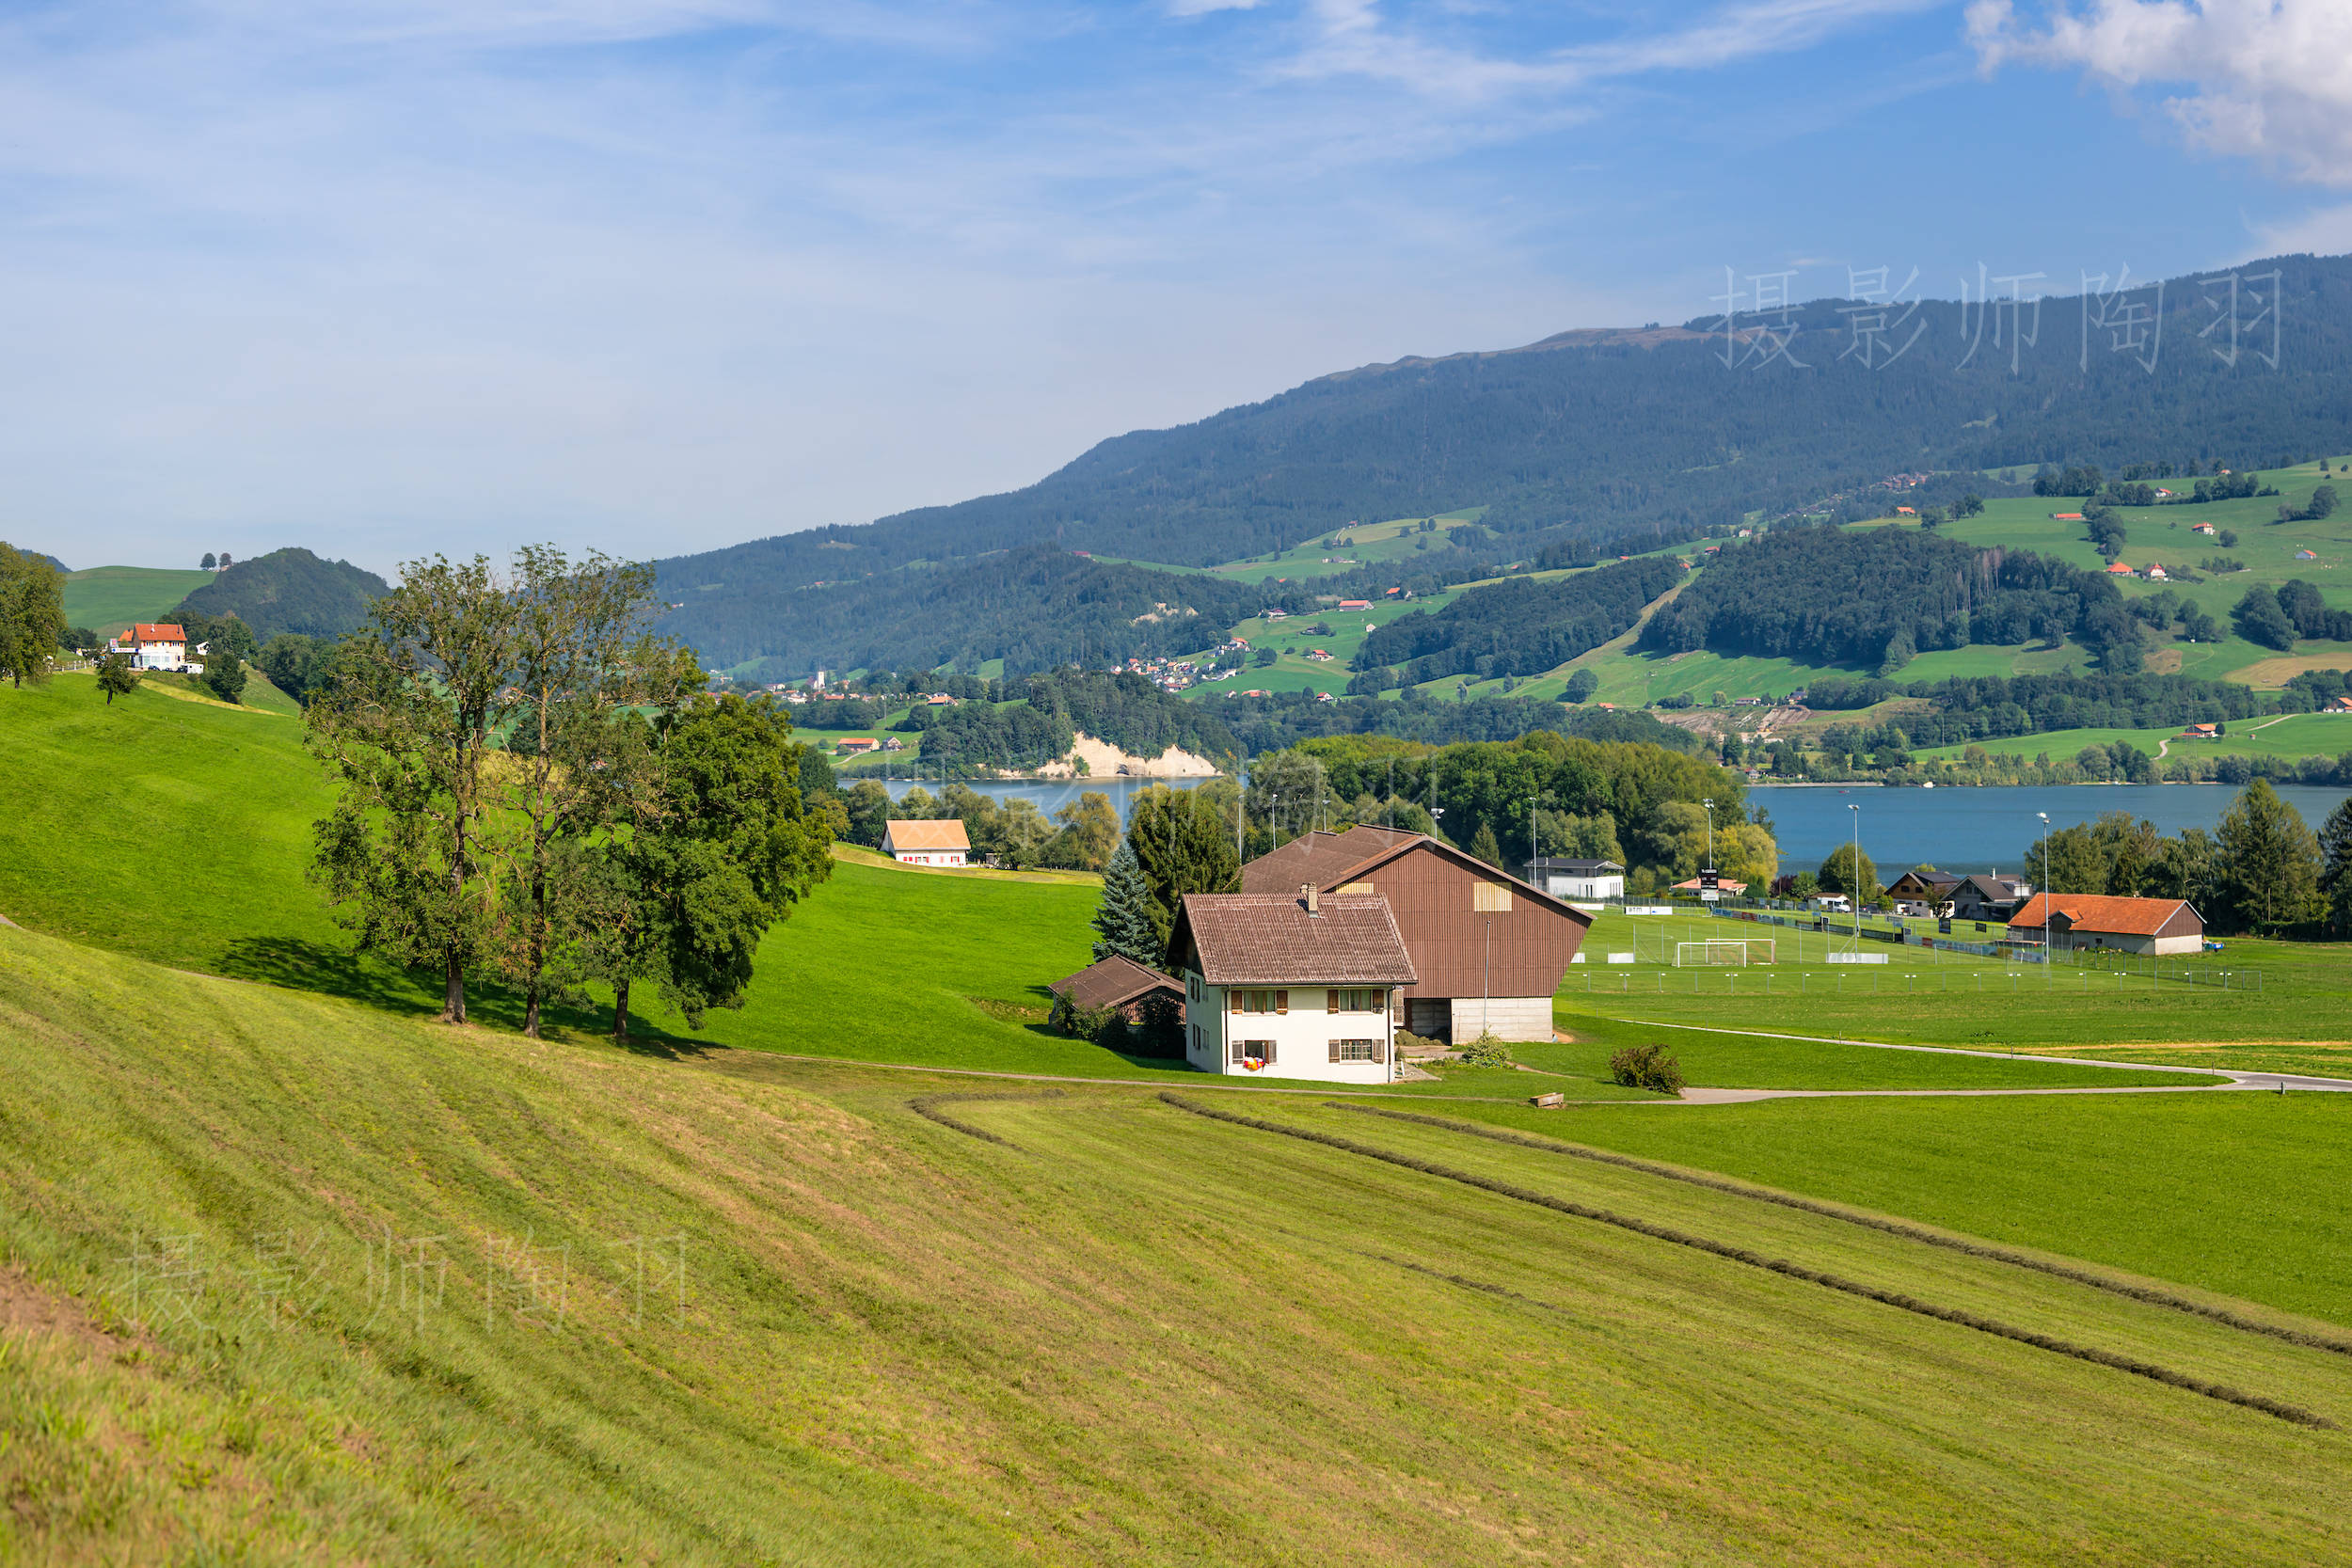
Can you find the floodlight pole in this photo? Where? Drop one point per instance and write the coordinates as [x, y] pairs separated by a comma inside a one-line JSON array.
[[1853, 878], [2049, 959], [1486, 987]]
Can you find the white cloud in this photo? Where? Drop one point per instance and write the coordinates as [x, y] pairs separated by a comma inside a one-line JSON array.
[[1357, 39], [2264, 79]]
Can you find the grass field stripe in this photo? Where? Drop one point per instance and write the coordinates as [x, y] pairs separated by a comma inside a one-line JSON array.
[[2143, 1293], [2149, 1370], [926, 1107]]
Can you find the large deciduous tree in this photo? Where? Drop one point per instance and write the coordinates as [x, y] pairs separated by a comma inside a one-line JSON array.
[[1182, 843], [32, 615], [410, 727], [582, 661], [718, 844]]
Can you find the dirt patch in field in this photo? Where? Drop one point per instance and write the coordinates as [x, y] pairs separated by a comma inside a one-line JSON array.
[[26, 1306]]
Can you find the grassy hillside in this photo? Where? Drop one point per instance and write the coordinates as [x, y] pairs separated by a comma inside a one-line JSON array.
[[2296, 734], [107, 599], [1121, 1334]]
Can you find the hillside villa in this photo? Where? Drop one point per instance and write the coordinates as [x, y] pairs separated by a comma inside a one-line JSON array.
[[855, 746], [155, 646], [1488, 950], [1590, 880], [927, 840], [1297, 984], [2081, 922], [1117, 982]]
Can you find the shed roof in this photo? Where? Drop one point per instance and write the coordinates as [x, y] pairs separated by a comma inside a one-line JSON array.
[[1263, 939], [1112, 982], [943, 833], [2082, 911]]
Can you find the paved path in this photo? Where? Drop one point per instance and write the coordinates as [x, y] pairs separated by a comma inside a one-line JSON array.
[[2228, 1078]]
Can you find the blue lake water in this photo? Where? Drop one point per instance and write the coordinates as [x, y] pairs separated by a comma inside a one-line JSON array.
[[1988, 829], [1959, 830]]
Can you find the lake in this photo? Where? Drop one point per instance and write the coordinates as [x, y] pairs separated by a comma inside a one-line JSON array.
[[1987, 829], [1958, 830]]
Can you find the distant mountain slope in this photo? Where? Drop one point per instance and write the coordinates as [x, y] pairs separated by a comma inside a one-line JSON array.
[[291, 590], [1035, 608], [1593, 436]]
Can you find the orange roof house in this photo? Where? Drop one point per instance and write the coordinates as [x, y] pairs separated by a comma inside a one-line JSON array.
[[927, 840], [144, 631], [2121, 924], [2117, 569]]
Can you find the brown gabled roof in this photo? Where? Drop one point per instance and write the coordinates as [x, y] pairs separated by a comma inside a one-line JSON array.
[[1112, 982], [1318, 858], [1260, 939], [2137, 917], [1333, 859], [944, 833]]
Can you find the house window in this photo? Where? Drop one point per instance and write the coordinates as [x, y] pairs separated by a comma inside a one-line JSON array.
[[1261, 1000], [1256, 1050], [1192, 986], [1347, 999], [1491, 897], [1355, 1051]]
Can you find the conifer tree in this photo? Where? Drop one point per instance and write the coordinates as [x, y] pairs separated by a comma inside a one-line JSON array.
[[1484, 847], [1122, 921]]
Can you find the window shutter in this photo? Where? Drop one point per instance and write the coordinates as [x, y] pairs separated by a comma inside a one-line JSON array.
[[1331, 1004], [1269, 1052], [1233, 1002], [1282, 1001], [1240, 1049], [1379, 1048], [1335, 1051]]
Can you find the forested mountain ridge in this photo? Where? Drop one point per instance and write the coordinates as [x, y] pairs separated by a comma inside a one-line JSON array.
[[1611, 435], [290, 591]]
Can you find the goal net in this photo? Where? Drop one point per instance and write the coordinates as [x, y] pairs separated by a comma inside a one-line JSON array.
[[1753, 950]]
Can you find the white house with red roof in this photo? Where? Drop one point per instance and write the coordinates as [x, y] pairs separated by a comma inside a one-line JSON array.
[[926, 841], [155, 645]]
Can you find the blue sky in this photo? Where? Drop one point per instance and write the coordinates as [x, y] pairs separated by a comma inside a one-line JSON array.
[[657, 275]]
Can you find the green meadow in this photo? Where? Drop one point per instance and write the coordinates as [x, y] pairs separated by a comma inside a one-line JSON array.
[[107, 599], [290, 1271], [2296, 734]]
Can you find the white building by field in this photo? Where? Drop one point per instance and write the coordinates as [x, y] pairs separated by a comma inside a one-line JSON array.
[[1303, 985], [926, 841], [1589, 880]]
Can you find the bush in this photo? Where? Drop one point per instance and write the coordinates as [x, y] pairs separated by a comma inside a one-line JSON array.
[[1646, 1066], [1105, 1026], [1161, 1031], [1487, 1050]]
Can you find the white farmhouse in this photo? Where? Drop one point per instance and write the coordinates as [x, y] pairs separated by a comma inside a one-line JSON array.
[[154, 646], [926, 841], [1303, 985]]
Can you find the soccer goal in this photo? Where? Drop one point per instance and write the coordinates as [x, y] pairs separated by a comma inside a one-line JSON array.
[[1751, 950]]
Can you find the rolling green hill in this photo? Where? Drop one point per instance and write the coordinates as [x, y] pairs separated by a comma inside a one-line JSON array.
[[290, 590], [107, 599]]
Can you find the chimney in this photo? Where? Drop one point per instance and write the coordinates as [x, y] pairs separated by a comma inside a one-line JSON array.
[[1307, 892]]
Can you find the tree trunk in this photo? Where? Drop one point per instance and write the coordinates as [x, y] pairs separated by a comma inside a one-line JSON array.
[[453, 992], [530, 1011], [620, 1010]]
